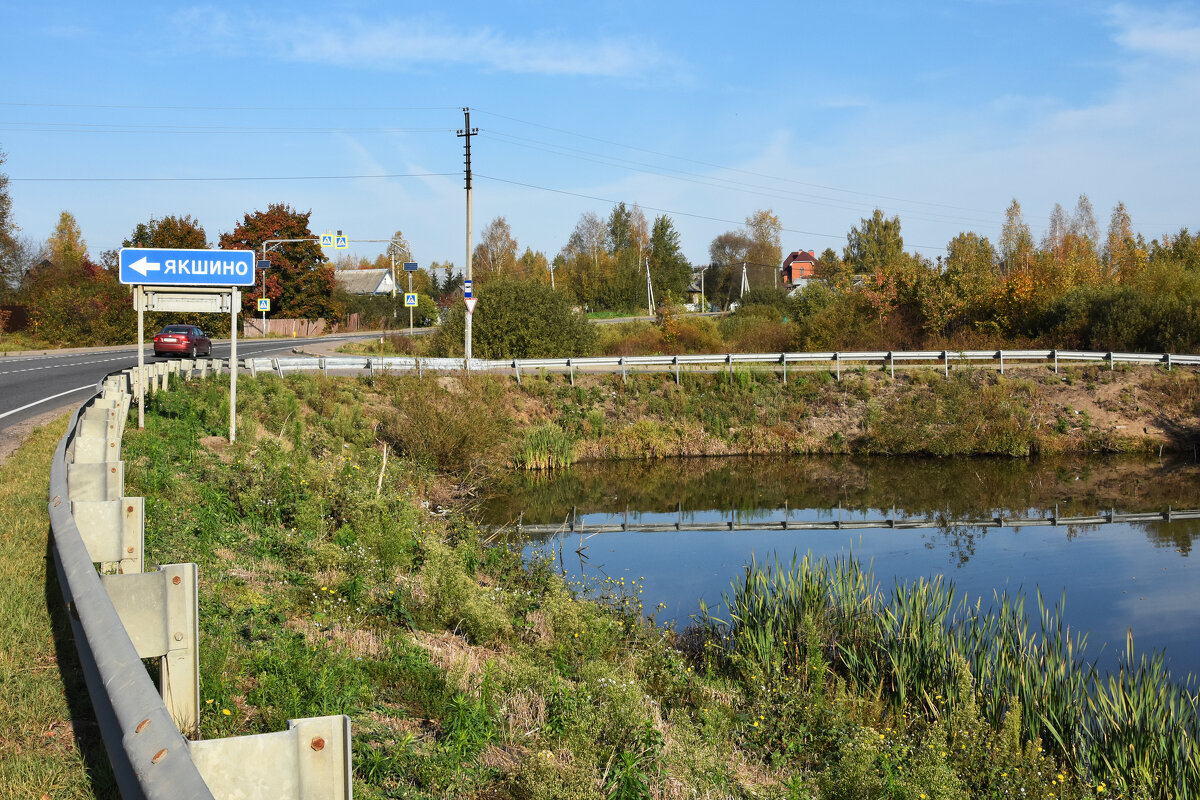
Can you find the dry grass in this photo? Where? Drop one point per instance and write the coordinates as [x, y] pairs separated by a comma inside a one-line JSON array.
[[49, 742]]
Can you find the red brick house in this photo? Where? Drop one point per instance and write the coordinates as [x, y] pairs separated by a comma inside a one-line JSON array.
[[798, 268]]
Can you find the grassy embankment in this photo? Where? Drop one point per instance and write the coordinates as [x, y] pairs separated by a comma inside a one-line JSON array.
[[48, 743], [327, 586]]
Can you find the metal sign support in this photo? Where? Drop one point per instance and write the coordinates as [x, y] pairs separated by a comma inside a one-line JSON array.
[[139, 300], [235, 301]]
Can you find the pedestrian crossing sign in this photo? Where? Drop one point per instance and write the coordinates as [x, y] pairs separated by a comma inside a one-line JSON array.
[[410, 299]]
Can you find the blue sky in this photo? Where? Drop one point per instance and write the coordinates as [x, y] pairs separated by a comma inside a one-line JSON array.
[[939, 112]]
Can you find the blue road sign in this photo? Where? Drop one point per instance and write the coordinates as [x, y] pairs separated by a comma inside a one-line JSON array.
[[168, 267], [410, 266], [468, 286]]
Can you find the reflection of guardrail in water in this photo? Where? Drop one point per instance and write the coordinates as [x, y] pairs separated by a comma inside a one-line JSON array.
[[888, 358], [122, 615], [575, 525]]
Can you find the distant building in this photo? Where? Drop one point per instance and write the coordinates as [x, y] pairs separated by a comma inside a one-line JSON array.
[[798, 269], [365, 281]]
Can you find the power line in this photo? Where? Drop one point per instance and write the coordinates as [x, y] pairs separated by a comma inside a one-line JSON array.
[[673, 211], [134, 127], [730, 169], [223, 108], [241, 178], [718, 182]]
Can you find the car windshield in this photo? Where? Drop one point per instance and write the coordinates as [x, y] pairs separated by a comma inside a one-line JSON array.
[[177, 329]]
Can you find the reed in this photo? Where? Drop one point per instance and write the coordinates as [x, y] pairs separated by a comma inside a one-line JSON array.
[[1136, 730], [545, 447]]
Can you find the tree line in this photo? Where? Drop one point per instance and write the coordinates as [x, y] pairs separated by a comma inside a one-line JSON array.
[[1073, 288]]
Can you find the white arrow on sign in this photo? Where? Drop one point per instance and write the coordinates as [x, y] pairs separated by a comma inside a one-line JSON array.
[[471, 304], [143, 266]]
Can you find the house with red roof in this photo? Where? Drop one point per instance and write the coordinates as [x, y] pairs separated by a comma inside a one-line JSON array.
[[798, 268]]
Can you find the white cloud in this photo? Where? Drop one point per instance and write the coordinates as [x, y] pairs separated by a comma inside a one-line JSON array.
[[1166, 34], [399, 44]]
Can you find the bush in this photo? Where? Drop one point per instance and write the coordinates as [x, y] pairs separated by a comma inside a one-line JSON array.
[[518, 319]]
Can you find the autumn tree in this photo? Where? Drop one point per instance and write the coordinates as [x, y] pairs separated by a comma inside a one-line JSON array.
[[583, 261], [765, 232], [723, 277], [832, 271], [496, 253], [171, 232], [533, 266], [1123, 257], [66, 245], [9, 246], [961, 289], [300, 281], [1016, 240], [1083, 221]]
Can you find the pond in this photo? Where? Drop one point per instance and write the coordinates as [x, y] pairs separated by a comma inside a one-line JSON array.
[[1115, 576]]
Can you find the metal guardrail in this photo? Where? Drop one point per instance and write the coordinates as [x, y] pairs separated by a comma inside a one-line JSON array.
[[121, 615], [577, 526], [126, 615], [837, 359]]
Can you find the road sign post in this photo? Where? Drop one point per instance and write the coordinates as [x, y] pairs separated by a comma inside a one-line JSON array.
[[183, 273], [410, 267]]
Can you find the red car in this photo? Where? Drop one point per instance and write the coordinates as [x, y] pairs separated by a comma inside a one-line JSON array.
[[182, 340]]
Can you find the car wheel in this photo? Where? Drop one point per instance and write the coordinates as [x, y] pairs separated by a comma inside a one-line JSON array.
[[192, 352]]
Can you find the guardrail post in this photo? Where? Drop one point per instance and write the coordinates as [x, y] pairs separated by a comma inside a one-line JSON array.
[[1168, 356], [96, 481], [837, 360], [675, 361], [891, 364], [783, 361], [729, 361], [517, 370], [571, 367], [1000, 355], [1055, 354], [622, 362], [1110, 360], [113, 531], [204, 368], [311, 760], [420, 371], [160, 613], [946, 360]]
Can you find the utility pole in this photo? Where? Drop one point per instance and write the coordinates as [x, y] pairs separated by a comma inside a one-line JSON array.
[[745, 281], [466, 133], [649, 289]]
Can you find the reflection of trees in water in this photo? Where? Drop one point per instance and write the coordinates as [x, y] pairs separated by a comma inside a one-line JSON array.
[[958, 488], [943, 491], [1177, 534]]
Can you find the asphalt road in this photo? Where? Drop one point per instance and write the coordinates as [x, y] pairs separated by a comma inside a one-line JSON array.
[[31, 385]]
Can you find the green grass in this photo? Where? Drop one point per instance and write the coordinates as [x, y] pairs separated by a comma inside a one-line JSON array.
[[328, 586], [49, 743]]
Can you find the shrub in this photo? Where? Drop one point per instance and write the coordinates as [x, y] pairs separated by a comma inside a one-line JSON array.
[[518, 319]]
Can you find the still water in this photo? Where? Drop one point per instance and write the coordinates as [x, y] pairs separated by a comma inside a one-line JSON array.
[[1115, 576]]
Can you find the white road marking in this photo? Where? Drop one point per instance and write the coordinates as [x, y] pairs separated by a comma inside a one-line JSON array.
[[47, 399]]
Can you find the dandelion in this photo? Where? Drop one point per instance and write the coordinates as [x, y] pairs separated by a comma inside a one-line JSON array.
[[225, 711]]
